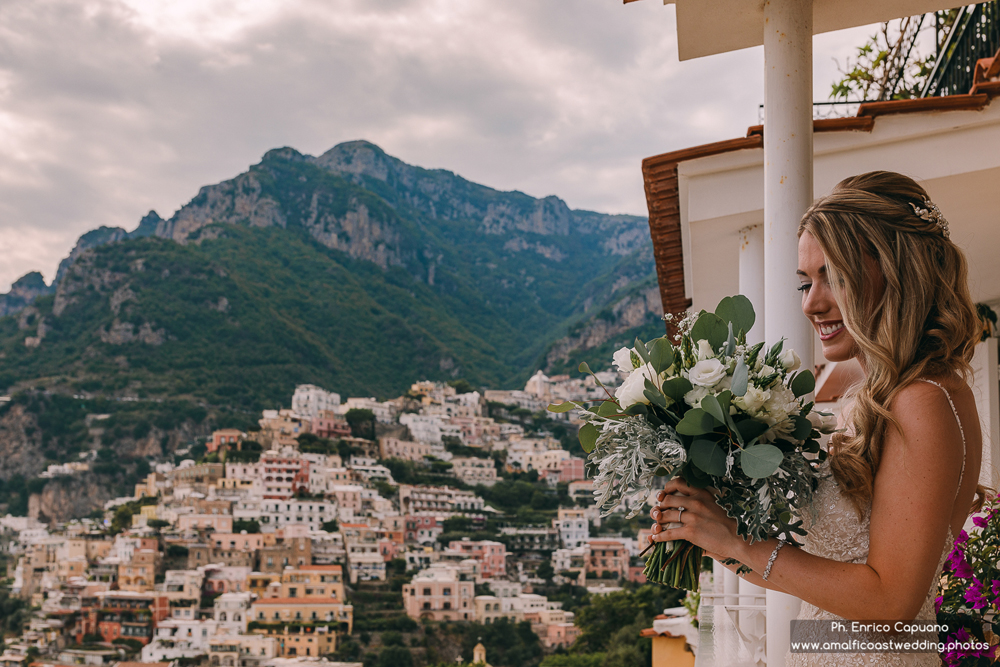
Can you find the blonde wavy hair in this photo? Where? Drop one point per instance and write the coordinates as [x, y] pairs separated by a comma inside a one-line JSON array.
[[921, 323]]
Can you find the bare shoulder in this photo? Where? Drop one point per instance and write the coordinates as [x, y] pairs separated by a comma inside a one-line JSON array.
[[924, 413]]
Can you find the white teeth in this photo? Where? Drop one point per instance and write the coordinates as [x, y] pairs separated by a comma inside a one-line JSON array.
[[826, 330]]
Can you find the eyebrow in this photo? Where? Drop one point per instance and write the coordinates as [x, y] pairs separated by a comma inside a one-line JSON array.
[[800, 272]]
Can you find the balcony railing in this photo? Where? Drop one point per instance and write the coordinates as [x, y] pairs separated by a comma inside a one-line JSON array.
[[974, 35]]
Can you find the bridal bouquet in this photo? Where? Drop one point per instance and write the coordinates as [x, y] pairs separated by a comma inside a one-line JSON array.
[[970, 592], [717, 412]]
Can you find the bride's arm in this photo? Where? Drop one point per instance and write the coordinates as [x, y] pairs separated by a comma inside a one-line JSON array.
[[912, 506]]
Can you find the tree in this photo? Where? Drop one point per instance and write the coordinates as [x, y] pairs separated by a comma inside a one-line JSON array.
[[462, 386], [395, 656], [330, 526], [362, 423], [545, 571], [889, 66], [249, 525], [608, 614]]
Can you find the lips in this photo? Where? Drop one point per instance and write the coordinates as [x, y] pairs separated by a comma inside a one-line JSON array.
[[829, 330]]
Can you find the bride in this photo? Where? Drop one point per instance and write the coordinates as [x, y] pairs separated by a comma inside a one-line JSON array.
[[881, 282]]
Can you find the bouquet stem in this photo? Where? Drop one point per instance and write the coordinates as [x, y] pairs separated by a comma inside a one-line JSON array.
[[676, 564]]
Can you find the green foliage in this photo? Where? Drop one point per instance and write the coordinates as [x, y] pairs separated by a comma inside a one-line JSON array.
[[462, 386], [606, 615], [132, 645], [14, 613], [176, 551], [248, 525], [573, 660], [395, 656], [330, 526], [362, 423], [507, 644], [876, 63]]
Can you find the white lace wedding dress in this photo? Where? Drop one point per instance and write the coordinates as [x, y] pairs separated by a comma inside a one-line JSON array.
[[839, 534]]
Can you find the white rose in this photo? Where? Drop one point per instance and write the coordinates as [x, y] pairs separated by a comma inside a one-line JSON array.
[[781, 403], [790, 360], [630, 392], [766, 370], [824, 423], [623, 360], [753, 400], [705, 350], [693, 397], [707, 373]]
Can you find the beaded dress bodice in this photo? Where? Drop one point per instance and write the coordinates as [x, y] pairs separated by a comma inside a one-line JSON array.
[[836, 531]]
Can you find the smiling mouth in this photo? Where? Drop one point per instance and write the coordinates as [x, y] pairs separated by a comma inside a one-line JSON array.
[[828, 331]]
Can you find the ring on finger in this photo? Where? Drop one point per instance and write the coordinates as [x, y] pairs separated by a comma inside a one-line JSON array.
[[680, 513]]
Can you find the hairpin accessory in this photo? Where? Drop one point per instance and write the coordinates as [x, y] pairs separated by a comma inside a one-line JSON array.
[[932, 214]]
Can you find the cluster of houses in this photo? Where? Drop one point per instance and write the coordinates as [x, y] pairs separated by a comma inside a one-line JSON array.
[[247, 556]]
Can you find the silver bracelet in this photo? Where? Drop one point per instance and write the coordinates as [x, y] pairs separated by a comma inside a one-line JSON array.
[[770, 561]]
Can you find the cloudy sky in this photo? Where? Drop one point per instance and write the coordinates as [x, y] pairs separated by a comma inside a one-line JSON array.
[[110, 108]]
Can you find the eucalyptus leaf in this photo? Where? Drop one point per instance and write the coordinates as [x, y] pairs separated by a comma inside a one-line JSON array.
[[588, 437], [640, 349], [803, 427], [710, 404], [741, 377], [730, 341], [711, 328], [760, 460], [738, 310], [708, 456], [585, 368], [696, 422], [608, 408], [803, 383], [654, 397], [661, 354], [751, 428], [637, 409], [676, 387], [559, 408]]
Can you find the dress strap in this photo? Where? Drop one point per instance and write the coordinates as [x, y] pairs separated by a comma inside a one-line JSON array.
[[960, 429]]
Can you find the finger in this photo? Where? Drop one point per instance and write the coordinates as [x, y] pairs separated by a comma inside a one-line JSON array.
[[668, 535]]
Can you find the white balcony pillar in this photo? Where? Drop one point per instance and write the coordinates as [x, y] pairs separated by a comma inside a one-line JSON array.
[[752, 276], [788, 192]]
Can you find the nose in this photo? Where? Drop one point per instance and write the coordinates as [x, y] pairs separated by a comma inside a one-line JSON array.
[[815, 300]]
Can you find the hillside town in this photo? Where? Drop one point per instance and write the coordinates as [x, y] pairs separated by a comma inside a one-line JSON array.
[[252, 546]]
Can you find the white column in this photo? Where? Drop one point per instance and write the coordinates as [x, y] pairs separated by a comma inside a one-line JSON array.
[[752, 276], [788, 191]]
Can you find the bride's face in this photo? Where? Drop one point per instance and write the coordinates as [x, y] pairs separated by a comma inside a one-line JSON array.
[[818, 302]]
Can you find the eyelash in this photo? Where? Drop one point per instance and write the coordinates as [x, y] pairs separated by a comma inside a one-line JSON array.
[[803, 287]]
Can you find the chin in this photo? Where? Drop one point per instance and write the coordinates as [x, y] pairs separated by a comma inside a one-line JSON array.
[[837, 353]]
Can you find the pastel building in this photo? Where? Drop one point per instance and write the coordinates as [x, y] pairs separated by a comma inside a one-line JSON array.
[[440, 593]]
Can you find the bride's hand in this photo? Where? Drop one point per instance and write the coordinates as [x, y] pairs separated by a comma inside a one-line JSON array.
[[703, 522]]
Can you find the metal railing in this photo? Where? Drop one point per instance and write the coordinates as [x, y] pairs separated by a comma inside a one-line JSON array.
[[824, 110], [974, 35]]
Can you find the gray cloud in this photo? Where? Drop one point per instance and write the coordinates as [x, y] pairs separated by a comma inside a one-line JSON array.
[[109, 108]]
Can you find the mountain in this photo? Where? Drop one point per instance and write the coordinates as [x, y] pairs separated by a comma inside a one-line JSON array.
[[352, 270]]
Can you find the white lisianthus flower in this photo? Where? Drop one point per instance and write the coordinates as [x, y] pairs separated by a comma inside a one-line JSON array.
[[623, 360], [752, 401], [630, 391], [790, 360], [724, 384], [707, 373], [825, 424], [705, 350], [693, 397]]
